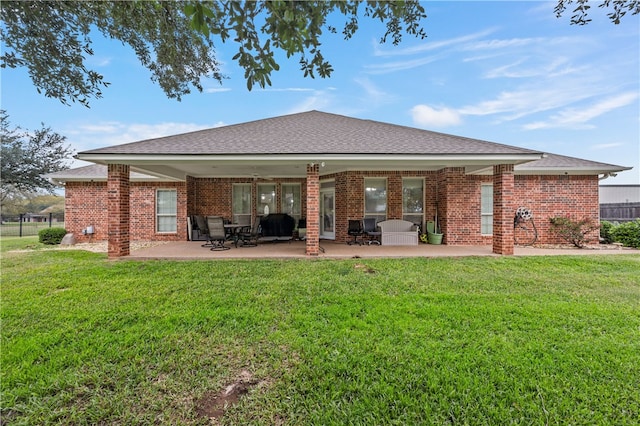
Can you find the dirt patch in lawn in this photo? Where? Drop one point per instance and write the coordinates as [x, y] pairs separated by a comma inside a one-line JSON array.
[[213, 405]]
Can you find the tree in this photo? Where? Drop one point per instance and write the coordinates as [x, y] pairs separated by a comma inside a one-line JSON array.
[[581, 12], [26, 157], [173, 39]]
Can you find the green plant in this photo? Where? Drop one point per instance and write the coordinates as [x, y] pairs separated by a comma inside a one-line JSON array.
[[627, 233], [576, 232], [606, 231], [51, 235]]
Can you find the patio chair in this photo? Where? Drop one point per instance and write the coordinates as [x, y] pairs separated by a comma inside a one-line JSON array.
[[355, 230], [249, 238], [217, 236], [302, 228], [371, 231], [203, 229]]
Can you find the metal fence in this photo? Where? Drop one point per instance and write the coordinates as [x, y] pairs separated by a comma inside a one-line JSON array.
[[26, 225], [620, 212]]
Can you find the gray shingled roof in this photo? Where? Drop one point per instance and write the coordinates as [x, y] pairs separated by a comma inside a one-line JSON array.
[[312, 132], [562, 162], [97, 172]]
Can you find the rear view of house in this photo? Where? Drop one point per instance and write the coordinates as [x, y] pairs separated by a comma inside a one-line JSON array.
[[326, 169]]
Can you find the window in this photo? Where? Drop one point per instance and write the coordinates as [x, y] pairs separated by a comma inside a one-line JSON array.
[[241, 203], [375, 198], [291, 200], [166, 210], [266, 199], [486, 209], [413, 200]]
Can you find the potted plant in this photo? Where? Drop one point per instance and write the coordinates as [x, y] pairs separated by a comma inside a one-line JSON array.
[[434, 236]]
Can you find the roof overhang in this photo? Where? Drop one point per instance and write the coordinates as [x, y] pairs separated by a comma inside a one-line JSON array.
[[178, 167]]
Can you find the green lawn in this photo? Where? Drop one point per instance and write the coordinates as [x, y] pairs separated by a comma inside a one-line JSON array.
[[540, 340]]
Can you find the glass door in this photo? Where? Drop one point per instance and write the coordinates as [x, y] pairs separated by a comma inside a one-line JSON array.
[[327, 213]]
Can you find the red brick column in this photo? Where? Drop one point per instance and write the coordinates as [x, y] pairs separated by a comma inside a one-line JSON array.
[[313, 209], [118, 206], [503, 209]]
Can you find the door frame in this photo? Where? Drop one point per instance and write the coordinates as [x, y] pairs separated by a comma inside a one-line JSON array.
[[324, 234]]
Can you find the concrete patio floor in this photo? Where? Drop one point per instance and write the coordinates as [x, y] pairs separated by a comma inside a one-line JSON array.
[[193, 250]]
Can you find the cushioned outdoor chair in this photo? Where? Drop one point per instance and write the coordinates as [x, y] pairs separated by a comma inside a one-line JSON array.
[[217, 235], [355, 230], [371, 231]]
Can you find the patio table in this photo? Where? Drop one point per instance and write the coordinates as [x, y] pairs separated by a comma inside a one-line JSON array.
[[234, 229]]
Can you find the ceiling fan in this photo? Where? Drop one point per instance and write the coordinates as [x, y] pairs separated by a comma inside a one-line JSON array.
[[257, 176]]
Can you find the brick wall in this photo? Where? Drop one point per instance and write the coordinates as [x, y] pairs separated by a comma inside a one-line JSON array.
[[86, 203], [118, 210], [552, 196], [313, 208], [143, 216], [503, 208], [458, 198]]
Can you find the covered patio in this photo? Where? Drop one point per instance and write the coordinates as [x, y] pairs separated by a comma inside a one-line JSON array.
[[326, 170], [193, 250]]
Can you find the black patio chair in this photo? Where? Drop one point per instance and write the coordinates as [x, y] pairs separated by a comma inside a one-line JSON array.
[[217, 236], [371, 231], [202, 229], [249, 238], [355, 230]]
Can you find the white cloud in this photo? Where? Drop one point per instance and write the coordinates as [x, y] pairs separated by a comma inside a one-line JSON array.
[[217, 89], [424, 115], [320, 100], [373, 95], [600, 146], [579, 117], [557, 67], [431, 45], [536, 97], [92, 136], [99, 61], [288, 89], [399, 65], [501, 43]]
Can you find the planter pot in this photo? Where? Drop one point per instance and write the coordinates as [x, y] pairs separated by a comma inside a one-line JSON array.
[[434, 238]]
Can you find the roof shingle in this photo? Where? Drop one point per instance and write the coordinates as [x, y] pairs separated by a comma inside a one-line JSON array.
[[312, 132]]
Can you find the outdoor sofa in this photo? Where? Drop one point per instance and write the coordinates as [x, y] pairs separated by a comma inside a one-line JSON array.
[[397, 232]]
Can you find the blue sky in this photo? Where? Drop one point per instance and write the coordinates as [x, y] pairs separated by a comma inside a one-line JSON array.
[[508, 72]]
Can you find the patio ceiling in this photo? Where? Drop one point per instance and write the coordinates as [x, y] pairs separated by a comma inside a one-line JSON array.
[[294, 166]]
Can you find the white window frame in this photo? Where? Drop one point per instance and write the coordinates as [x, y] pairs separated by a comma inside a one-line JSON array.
[[273, 204], [406, 215], [295, 209], [380, 216], [173, 214], [241, 217], [486, 216]]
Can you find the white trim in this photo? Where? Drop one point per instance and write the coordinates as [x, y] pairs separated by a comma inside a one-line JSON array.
[[483, 214], [158, 215], [386, 198], [251, 158]]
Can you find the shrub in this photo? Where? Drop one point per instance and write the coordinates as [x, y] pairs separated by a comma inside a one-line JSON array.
[[51, 235], [575, 232], [606, 231], [627, 233]]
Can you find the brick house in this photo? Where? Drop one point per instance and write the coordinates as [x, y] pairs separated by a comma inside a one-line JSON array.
[[328, 169]]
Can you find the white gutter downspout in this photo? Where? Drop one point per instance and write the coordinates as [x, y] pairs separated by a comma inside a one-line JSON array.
[[606, 175]]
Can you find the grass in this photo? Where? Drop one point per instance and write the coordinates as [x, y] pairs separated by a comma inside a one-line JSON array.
[[540, 340]]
